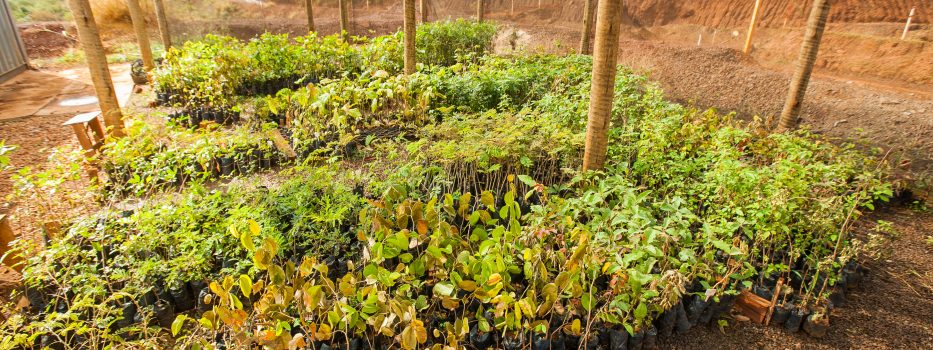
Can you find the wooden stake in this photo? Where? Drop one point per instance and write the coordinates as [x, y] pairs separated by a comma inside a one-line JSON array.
[[751, 28], [480, 10], [910, 18], [89, 37], [344, 19], [512, 9], [142, 35], [777, 292], [700, 40], [424, 11], [163, 24], [309, 8]]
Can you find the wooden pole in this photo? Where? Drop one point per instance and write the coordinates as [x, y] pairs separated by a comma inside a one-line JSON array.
[[89, 37], [751, 28], [309, 8], [587, 27], [409, 24], [605, 57], [424, 10], [344, 19], [163, 24], [142, 35], [910, 18], [480, 10], [808, 52]]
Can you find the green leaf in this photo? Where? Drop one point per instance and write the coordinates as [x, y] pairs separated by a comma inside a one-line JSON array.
[[444, 289], [527, 180], [176, 325], [641, 311]]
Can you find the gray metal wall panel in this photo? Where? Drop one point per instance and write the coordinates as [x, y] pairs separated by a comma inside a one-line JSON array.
[[12, 54]]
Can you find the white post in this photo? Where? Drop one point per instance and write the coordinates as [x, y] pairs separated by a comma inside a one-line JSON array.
[[910, 18], [700, 40]]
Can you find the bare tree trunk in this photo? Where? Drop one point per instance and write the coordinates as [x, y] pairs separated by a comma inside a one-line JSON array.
[[344, 19], [808, 53], [480, 10], [587, 27], [163, 24], [424, 11], [309, 8], [142, 35], [605, 56], [89, 37], [409, 24]]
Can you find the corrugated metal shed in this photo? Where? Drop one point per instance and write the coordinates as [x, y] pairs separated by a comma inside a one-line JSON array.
[[12, 53]]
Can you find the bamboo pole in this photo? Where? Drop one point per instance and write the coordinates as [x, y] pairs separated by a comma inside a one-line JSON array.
[[142, 35], [751, 28], [163, 24], [409, 24], [605, 56], [587, 27], [910, 18], [309, 9], [89, 37], [808, 52]]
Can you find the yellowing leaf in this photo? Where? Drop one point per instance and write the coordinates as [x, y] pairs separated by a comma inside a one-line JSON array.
[[254, 227], [467, 285], [246, 285], [493, 279]]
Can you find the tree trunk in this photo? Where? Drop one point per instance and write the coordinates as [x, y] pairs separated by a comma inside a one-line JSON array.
[[142, 35], [424, 11], [163, 24], [89, 37], [587, 27], [309, 8], [344, 19], [808, 51], [605, 56], [409, 24], [480, 9]]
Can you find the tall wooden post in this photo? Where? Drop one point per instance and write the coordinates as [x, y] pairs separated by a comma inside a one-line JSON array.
[[89, 36], [409, 24], [142, 35], [910, 18], [163, 24], [344, 19], [751, 28], [309, 8], [605, 58], [512, 8], [480, 10], [424, 10], [587, 27], [808, 52]]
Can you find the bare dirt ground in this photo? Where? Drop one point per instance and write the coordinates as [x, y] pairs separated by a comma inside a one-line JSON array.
[[848, 99]]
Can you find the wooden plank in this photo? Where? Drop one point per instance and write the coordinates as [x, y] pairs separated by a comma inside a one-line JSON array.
[[282, 144], [82, 118], [752, 306]]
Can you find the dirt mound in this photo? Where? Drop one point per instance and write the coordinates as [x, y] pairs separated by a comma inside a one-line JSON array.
[[47, 39]]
